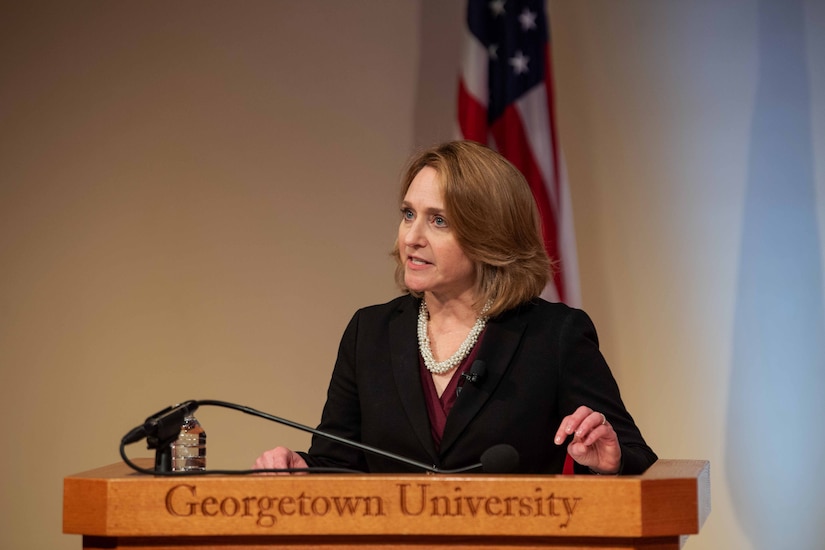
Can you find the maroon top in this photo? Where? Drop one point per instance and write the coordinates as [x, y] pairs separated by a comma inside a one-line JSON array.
[[439, 407]]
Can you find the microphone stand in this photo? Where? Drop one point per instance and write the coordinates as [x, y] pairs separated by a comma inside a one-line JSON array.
[[337, 439], [162, 428]]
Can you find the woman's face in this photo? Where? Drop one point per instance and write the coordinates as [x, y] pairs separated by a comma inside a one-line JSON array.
[[433, 260]]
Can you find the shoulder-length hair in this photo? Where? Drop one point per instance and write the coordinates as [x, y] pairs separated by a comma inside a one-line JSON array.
[[494, 218]]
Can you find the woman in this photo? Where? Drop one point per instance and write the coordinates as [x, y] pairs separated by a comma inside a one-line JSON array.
[[472, 264]]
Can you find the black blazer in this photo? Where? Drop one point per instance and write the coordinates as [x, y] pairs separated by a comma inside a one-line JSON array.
[[542, 362]]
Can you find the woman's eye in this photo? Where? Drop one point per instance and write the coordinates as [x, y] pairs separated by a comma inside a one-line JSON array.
[[439, 221], [407, 214]]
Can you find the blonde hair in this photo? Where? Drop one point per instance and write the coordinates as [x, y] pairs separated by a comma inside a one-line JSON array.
[[494, 218]]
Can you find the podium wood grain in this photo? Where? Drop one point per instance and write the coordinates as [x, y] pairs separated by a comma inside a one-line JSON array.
[[114, 507]]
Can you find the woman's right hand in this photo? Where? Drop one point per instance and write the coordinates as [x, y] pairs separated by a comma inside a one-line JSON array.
[[279, 458]]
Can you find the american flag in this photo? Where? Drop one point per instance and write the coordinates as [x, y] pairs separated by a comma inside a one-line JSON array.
[[505, 100]]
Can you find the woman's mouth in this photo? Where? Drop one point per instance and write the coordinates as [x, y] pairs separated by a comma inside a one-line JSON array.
[[417, 261]]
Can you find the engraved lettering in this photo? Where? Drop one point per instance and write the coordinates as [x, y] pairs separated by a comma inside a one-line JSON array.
[[349, 505], [209, 502], [488, 506], [569, 508], [175, 511], [406, 509], [265, 519], [320, 510], [413, 499], [440, 506], [474, 504], [303, 500], [525, 507], [508, 505], [225, 509], [286, 506], [246, 505]]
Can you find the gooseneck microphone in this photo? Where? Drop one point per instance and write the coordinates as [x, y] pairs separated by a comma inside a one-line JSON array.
[[163, 424], [160, 430], [493, 460], [498, 459]]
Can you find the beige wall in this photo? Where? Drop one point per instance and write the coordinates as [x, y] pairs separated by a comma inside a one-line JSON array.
[[195, 197]]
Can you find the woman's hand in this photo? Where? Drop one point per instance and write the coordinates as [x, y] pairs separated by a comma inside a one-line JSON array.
[[279, 458], [594, 444]]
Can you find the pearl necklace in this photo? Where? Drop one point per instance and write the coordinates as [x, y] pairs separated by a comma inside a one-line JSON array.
[[463, 350]]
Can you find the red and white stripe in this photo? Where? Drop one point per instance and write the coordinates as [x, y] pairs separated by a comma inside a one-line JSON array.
[[526, 135]]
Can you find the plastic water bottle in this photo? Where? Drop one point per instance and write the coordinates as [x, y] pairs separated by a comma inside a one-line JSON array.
[[189, 449]]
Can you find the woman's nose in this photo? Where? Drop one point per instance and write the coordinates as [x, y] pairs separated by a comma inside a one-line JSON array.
[[414, 235]]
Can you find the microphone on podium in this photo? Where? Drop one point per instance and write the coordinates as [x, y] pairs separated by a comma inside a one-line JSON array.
[[163, 424], [160, 430], [498, 459]]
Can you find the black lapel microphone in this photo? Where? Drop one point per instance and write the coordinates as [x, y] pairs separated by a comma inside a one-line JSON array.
[[477, 372], [476, 375]]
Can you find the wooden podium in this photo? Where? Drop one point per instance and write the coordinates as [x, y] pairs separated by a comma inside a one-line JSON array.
[[114, 507]]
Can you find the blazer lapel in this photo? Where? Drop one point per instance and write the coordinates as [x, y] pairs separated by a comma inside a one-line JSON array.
[[404, 360], [498, 346]]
